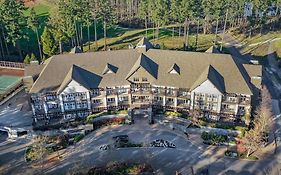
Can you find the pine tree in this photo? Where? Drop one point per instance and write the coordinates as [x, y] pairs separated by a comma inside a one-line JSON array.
[[48, 42], [14, 22], [27, 59], [144, 13], [105, 11], [33, 23], [33, 57]]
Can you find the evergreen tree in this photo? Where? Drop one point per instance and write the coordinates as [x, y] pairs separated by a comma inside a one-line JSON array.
[[144, 13], [105, 11], [14, 22], [160, 13], [33, 24], [33, 57], [48, 42], [27, 59]]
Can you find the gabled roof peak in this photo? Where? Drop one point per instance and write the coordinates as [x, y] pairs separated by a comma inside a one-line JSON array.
[[143, 61], [211, 74], [144, 42], [82, 76], [76, 50]]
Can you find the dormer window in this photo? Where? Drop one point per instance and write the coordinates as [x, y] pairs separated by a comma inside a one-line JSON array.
[[109, 69], [175, 69]]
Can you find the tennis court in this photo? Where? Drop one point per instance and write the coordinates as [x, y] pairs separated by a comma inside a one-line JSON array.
[[8, 82]]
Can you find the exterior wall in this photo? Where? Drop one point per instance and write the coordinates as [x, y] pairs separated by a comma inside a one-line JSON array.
[[141, 73], [74, 87], [83, 102]]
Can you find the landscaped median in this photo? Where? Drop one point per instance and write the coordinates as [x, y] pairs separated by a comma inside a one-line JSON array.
[[214, 138], [107, 118]]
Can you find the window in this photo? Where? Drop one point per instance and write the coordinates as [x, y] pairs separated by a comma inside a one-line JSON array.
[[96, 92], [170, 100], [158, 98], [109, 91], [97, 101], [122, 90], [111, 100], [70, 105], [136, 79], [38, 107], [81, 105], [144, 79], [52, 106], [125, 98]]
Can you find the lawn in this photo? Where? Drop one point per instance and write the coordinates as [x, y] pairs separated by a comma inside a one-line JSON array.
[[121, 38], [258, 46]]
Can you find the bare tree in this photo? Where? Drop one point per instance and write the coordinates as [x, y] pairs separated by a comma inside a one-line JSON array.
[[256, 137]]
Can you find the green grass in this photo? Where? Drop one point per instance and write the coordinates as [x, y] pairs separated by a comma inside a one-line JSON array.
[[40, 9], [260, 50], [120, 38]]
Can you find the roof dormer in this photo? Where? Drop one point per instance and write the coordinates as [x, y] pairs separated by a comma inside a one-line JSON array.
[[109, 68], [144, 44], [175, 69]]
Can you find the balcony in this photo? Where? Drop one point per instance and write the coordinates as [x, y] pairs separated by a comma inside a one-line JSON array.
[[141, 91], [96, 105], [172, 93], [228, 111], [245, 102], [124, 102], [158, 102]]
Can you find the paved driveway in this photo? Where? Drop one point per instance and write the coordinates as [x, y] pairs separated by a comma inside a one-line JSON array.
[[163, 160]]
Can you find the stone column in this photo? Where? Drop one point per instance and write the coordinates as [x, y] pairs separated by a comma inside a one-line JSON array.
[[236, 109], [116, 101], [219, 103], [89, 100], [175, 103], [33, 109], [61, 103], [192, 100]]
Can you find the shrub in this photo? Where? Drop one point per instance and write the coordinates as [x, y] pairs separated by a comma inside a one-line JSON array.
[[213, 138], [107, 122], [175, 114], [91, 117], [78, 137], [122, 112], [244, 156]]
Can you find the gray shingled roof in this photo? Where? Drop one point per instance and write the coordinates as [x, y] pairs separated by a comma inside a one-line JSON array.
[[146, 63], [33, 70], [211, 74], [157, 62], [82, 76]]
